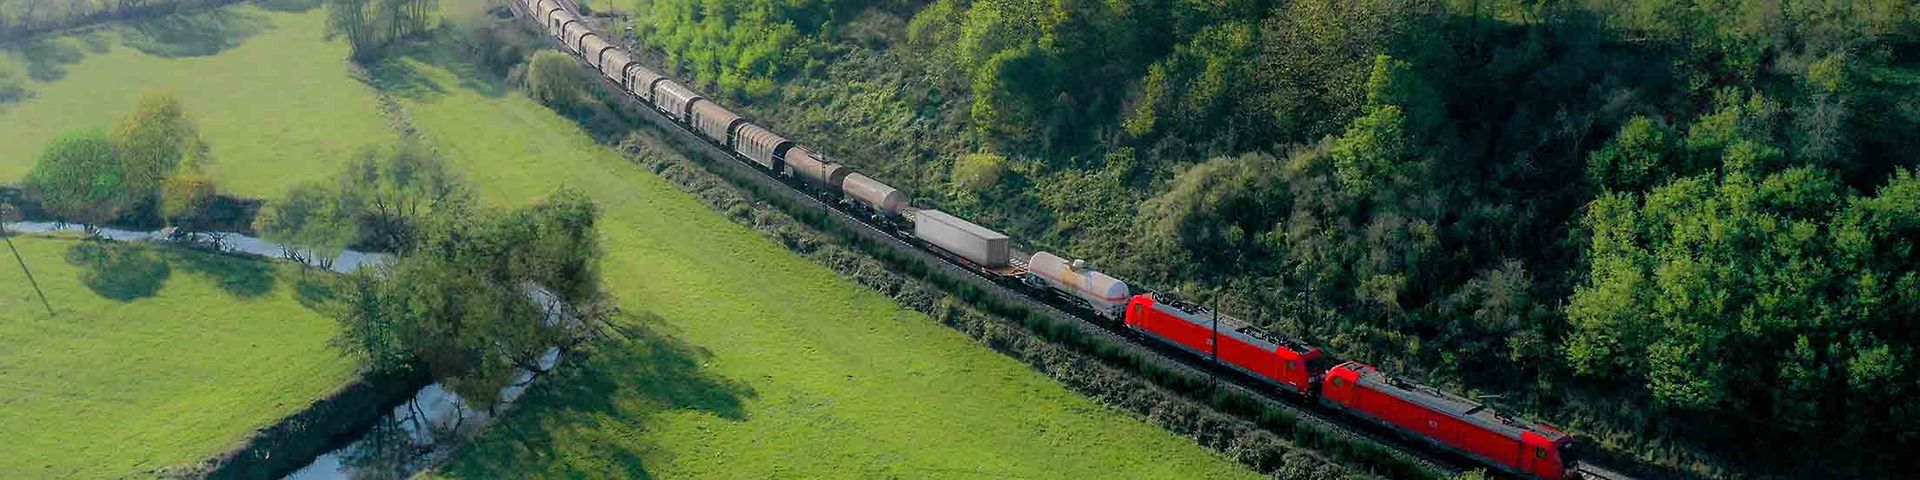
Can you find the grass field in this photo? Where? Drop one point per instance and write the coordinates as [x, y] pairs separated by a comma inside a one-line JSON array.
[[276, 102], [761, 364], [756, 362], [157, 357]]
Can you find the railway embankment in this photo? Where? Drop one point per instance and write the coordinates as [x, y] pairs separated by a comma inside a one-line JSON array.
[[1253, 429]]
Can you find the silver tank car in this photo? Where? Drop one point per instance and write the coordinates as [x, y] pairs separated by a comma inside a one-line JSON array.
[[673, 98], [759, 145], [1106, 295], [973, 242], [882, 198], [712, 121], [818, 170]]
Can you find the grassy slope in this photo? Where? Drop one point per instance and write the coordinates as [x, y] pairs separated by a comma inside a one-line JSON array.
[[278, 106], [799, 373], [110, 388]]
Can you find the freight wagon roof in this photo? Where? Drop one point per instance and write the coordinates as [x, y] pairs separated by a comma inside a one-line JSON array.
[[1452, 405], [977, 231]]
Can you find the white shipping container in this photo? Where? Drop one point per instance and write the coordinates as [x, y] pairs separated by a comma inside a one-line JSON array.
[[972, 242]]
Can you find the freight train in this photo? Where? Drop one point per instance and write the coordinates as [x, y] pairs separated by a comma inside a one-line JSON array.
[[1451, 422]]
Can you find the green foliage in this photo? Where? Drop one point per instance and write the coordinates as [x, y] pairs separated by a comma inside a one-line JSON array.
[[556, 79], [370, 25], [1715, 291], [1633, 158], [79, 178], [1421, 184], [155, 140], [310, 217], [184, 197], [461, 300], [739, 47]]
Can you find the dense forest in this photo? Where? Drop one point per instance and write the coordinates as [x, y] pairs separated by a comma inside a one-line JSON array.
[[1684, 229]]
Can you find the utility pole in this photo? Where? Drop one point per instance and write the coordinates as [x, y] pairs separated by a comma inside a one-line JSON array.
[[1216, 333], [7, 214]]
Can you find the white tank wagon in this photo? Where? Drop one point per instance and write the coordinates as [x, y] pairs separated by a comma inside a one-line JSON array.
[[712, 121], [812, 167], [977, 244], [881, 198], [1103, 294], [675, 99]]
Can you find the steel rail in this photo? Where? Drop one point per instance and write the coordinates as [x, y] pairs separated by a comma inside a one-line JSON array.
[[1418, 452]]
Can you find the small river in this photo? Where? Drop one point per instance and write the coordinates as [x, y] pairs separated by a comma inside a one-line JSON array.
[[416, 435]]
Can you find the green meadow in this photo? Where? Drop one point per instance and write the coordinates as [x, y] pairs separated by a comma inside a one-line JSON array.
[[276, 103], [745, 361], [155, 357]]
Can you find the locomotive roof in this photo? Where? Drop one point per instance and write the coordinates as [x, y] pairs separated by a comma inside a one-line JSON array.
[[1452, 405], [1196, 312]]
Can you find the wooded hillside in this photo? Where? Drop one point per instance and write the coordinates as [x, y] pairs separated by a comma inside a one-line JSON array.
[[1686, 230]]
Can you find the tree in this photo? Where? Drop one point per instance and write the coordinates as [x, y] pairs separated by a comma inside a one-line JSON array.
[[555, 79], [152, 142], [78, 178], [388, 193], [483, 295], [370, 25], [184, 197], [310, 220]]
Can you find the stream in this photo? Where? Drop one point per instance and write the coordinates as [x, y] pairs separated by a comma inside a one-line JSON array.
[[417, 434]]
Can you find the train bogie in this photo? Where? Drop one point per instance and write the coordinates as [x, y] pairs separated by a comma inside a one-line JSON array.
[[878, 196], [712, 121], [977, 244], [675, 99], [812, 167], [1455, 423], [1104, 294]]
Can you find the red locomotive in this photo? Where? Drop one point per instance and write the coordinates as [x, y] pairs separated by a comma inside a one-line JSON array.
[[1227, 341], [1463, 426], [1516, 446]]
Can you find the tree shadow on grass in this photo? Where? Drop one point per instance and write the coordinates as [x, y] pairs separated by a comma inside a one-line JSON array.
[[46, 58], [119, 272], [404, 79], [194, 35], [619, 383], [289, 6], [238, 277]]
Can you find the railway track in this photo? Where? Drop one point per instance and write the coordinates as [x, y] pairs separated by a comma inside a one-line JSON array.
[[1305, 411]]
